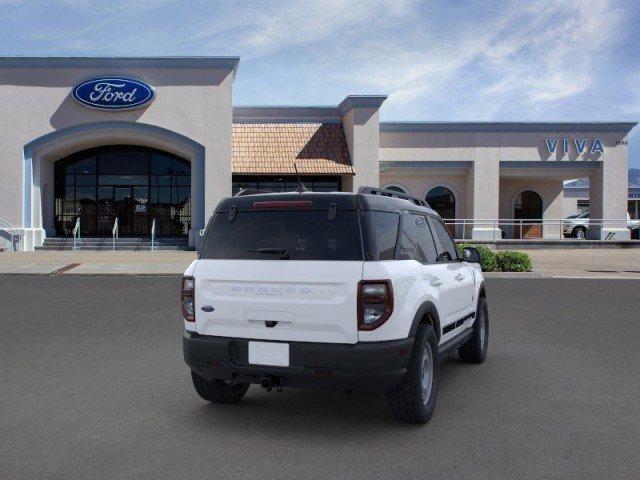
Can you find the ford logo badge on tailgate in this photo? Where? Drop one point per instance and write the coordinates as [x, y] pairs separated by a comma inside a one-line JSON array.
[[113, 93]]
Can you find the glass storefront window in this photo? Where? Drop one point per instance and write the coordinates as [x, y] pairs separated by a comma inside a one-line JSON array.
[[277, 183], [133, 184]]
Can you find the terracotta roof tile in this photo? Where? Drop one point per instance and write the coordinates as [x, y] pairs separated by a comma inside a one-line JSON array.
[[274, 148]]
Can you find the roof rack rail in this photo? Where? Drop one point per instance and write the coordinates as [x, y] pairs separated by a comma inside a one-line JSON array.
[[383, 192], [250, 191]]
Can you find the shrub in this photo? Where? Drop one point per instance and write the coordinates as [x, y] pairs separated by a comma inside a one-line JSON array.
[[489, 262], [512, 261]]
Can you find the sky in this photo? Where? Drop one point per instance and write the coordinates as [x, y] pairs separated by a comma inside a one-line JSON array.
[[444, 60]]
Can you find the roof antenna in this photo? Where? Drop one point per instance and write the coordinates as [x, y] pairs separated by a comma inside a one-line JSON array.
[[301, 187]]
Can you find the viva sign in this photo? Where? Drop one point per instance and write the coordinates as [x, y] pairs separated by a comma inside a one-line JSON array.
[[113, 93], [580, 144]]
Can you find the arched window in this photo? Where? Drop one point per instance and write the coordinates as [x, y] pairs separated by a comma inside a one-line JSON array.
[[395, 188], [133, 184], [442, 200], [528, 206]]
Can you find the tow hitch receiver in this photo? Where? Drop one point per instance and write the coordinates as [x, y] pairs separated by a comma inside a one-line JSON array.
[[270, 382]]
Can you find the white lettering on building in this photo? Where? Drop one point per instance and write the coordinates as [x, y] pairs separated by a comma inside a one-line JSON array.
[[107, 92], [580, 144]]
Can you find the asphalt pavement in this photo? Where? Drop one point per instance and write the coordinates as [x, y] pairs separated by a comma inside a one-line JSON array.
[[92, 386]]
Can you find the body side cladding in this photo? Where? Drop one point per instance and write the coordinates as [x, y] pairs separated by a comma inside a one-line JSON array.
[[426, 310]]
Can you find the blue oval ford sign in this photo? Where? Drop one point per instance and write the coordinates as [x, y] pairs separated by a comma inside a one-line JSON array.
[[113, 93]]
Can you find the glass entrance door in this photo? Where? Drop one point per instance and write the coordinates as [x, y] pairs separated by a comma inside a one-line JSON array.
[[130, 206], [123, 208]]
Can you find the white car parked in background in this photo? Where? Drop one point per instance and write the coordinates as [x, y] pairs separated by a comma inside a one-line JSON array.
[[335, 290], [577, 225]]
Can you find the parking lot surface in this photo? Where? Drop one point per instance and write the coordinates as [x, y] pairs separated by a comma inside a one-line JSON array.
[[93, 386]]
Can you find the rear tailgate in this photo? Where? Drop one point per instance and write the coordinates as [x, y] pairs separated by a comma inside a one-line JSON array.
[[288, 300]]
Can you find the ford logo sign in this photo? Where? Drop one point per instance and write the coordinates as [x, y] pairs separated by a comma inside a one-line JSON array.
[[113, 93]]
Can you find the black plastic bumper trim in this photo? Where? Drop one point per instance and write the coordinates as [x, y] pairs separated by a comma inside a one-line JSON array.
[[367, 366]]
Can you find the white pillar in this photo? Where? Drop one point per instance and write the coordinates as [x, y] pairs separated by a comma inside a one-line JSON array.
[[361, 125], [34, 234], [197, 198], [485, 178], [608, 194]]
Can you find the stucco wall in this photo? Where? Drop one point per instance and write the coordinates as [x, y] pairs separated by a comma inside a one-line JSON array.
[[550, 192], [427, 146], [193, 102], [361, 128]]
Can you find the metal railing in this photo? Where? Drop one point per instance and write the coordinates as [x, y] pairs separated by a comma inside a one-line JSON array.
[[76, 234], [12, 231], [153, 235], [114, 234], [538, 228]]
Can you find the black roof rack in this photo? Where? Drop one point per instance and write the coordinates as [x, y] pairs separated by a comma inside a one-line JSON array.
[[250, 191], [383, 192]]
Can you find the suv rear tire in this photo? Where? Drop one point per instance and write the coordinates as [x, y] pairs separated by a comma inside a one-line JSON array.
[[415, 399], [475, 349], [218, 391]]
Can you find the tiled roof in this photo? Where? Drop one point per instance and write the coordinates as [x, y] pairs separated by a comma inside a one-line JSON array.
[[274, 148]]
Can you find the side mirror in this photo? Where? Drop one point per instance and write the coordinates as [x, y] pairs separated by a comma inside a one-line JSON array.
[[471, 255]]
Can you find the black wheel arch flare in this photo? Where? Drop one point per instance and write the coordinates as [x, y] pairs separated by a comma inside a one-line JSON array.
[[426, 310]]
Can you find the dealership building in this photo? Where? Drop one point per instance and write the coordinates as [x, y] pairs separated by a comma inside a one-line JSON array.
[[158, 141]]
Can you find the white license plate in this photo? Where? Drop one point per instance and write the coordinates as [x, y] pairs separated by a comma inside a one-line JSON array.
[[269, 353]]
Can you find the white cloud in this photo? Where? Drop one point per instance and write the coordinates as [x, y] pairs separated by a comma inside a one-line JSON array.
[[536, 53], [553, 52], [261, 28]]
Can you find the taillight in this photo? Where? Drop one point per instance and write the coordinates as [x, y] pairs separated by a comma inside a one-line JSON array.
[[187, 299], [375, 303]]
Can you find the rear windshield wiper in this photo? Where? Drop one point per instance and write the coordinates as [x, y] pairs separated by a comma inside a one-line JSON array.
[[283, 252]]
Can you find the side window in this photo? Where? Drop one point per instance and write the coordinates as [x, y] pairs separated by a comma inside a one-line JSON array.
[[425, 246], [445, 244], [405, 249], [384, 226]]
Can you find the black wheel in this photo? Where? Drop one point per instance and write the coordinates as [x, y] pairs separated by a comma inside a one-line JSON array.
[[580, 233], [475, 349], [415, 399], [218, 391]]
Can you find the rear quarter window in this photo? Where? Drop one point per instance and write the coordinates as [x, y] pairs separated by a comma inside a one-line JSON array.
[[382, 233], [303, 235]]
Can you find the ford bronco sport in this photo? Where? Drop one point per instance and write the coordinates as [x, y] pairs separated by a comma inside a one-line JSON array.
[[350, 291]]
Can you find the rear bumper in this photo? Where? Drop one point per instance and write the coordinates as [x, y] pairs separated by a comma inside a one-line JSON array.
[[373, 366]]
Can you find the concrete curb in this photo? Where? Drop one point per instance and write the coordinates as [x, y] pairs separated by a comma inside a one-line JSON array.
[[511, 275]]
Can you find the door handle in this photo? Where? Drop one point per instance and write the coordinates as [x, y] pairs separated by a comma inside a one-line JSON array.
[[459, 277], [436, 282]]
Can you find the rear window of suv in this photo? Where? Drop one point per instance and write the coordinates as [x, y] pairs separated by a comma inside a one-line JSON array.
[[283, 234]]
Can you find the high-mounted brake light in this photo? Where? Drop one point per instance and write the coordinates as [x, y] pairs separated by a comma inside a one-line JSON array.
[[187, 299], [375, 303], [290, 204]]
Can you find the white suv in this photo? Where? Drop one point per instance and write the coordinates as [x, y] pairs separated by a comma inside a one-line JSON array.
[[334, 290]]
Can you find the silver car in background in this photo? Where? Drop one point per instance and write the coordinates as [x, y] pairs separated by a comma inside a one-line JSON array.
[[576, 225]]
